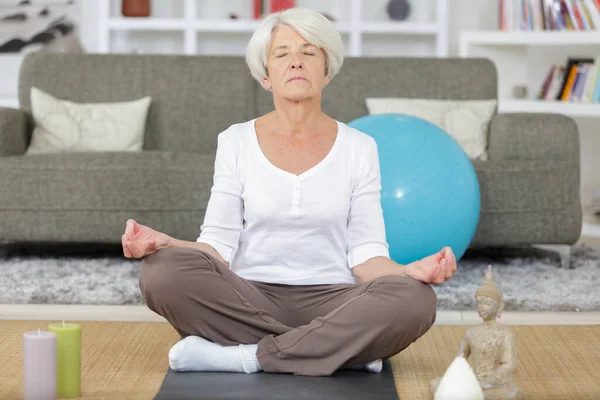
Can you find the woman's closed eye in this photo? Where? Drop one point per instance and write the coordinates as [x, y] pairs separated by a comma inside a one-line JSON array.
[[285, 54]]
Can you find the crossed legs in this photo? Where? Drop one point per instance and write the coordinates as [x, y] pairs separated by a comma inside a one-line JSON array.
[[324, 328]]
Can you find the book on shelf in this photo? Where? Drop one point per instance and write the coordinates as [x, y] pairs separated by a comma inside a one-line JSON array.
[[261, 7], [549, 15], [576, 82]]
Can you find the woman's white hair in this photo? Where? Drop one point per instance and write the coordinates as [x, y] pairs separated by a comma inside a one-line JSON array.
[[313, 26]]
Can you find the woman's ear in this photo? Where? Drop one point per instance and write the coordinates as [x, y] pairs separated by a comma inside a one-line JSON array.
[[266, 84], [501, 306]]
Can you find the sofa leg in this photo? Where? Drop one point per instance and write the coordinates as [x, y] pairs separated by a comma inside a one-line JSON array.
[[565, 255], [563, 250]]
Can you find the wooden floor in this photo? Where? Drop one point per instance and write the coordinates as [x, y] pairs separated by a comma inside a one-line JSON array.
[[128, 360]]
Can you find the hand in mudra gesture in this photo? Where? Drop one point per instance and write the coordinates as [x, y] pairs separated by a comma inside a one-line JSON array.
[[436, 268], [139, 240]]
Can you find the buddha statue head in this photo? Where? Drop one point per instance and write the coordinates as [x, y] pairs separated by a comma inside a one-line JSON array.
[[488, 298]]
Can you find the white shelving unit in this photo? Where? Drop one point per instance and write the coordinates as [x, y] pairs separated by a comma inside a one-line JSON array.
[[177, 24], [527, 38], [556, 107], [364, 28], [524, 57]]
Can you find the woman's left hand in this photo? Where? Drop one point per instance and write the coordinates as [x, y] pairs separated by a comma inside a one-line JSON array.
[[436, 268]]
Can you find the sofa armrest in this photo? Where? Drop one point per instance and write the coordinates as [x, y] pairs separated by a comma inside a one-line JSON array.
[[14, 132], [529, 136]]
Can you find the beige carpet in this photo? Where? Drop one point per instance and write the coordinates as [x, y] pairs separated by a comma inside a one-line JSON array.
[[127, 360]]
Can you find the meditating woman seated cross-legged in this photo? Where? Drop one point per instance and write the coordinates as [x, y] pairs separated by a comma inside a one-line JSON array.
[[291, 270]]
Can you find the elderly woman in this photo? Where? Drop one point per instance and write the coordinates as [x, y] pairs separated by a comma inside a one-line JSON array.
[[291, 271]]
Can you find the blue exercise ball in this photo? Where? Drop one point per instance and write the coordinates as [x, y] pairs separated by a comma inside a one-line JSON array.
[[430, 192]]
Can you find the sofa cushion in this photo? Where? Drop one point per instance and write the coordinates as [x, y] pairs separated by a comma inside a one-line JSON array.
[[526, 186], [66, 126], [528, 201], [113, 181]]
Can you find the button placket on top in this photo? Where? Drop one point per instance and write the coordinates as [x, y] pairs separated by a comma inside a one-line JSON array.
[[296, 196]]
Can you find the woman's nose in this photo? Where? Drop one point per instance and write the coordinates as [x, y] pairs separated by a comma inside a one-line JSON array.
[[297, 64]]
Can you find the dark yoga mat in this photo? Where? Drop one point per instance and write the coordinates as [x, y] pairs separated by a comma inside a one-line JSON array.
[[344, 384]]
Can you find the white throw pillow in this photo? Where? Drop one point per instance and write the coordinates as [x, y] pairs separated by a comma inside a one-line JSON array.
[[467, 121], [65, 126]]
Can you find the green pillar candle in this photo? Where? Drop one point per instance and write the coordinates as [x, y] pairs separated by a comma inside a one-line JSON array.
[[68, 359]]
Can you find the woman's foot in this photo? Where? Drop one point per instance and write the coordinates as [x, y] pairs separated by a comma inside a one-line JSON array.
[[195, 353], [373, 366]]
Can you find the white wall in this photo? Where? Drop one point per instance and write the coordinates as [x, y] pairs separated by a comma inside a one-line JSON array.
[[468, 15]]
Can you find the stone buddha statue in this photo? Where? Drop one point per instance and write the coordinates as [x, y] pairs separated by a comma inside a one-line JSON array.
[[490, 347]]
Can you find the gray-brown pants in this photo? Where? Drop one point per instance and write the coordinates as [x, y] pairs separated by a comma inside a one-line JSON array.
[[304, 330]]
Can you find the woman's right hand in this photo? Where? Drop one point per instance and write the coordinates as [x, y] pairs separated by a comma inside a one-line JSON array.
[[139, 240]]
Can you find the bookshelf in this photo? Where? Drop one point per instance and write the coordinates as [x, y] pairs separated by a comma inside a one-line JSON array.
[[522, 58], [530, 38], [203, 27], [527, 38], [575, 110]]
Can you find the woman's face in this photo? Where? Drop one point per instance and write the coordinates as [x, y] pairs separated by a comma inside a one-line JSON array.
[[295, 68]]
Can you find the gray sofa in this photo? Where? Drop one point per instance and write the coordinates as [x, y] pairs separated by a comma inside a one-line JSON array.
[[529, 185]]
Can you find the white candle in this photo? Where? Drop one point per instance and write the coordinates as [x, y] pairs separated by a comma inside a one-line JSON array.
[[459, 382], [39, 365]]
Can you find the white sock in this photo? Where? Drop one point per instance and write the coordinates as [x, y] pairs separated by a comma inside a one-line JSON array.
[[194, 353], [373, 366]]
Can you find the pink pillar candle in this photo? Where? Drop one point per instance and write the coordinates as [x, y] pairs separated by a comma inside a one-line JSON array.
[[39, 365]]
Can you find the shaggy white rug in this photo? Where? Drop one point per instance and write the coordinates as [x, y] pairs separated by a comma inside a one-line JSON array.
[[530, 278]]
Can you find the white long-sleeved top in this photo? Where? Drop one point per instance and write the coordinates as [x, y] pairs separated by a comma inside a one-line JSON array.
[[274, 226]]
